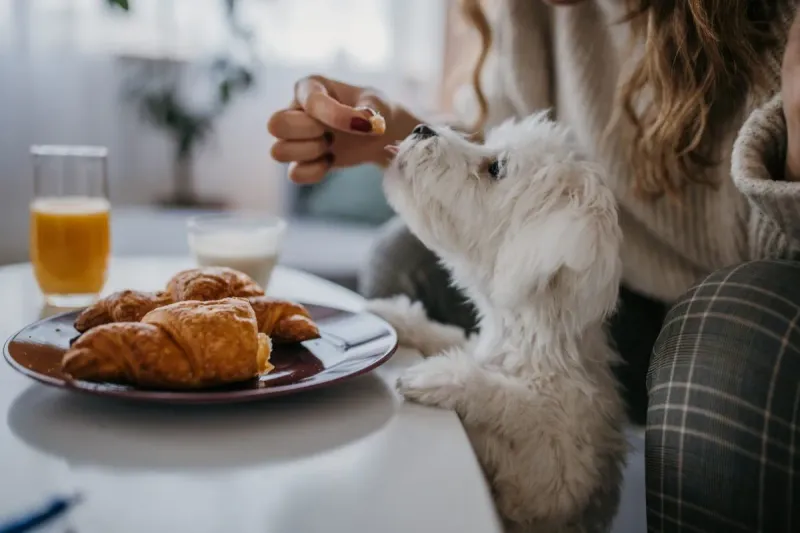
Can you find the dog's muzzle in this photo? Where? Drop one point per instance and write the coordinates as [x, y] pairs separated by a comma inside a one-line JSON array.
[[423, 131]]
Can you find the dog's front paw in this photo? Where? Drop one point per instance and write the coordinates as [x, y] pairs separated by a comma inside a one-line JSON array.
[[404, 315], [414, 328], [407, 318], [439, 381]]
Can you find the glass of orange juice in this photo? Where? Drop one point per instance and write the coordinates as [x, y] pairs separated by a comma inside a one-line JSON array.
[[70, 223]]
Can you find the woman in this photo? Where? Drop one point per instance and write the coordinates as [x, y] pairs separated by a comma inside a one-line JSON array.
[[681, 102]]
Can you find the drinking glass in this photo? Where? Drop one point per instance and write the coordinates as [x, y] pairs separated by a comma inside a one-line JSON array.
[[249, 243], [69, 223]]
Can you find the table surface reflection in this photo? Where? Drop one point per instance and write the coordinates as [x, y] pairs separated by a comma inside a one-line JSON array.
[[350, 458]]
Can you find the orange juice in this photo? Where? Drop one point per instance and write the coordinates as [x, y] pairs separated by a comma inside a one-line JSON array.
[[70, 244]]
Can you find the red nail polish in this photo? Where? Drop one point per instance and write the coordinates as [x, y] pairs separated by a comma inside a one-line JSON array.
[[360, 124]]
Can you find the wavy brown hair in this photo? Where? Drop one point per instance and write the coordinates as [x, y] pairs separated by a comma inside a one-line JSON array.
[[702, 59]]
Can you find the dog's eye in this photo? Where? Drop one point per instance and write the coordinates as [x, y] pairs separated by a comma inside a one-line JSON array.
[[495, 169]]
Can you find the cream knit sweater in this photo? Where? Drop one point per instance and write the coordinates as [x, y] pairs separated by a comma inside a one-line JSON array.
[[569, 59]]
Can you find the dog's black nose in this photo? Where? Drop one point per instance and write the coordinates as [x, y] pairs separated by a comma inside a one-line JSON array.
[[423, 131]]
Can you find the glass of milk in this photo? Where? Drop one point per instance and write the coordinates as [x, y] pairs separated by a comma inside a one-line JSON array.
[[247, 243]]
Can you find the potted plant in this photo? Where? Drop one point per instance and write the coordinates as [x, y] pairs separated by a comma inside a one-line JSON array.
[[156, 91]]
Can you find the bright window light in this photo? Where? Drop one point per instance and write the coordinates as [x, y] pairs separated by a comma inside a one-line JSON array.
[[402, 37]]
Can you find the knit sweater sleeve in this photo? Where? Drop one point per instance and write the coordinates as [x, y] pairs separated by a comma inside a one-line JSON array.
[[758, 160]]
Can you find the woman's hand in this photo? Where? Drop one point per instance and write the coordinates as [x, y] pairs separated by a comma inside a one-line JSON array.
[[790, 91], [327, 126]]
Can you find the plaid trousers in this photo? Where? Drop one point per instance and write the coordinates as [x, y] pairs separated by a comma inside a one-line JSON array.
[[720, 394], [723, 419]]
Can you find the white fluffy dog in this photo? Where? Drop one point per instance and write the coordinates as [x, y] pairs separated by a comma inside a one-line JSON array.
[[530, 233]]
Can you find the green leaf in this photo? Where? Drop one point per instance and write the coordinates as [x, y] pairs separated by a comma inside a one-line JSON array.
[[225, 92], [122, 4]]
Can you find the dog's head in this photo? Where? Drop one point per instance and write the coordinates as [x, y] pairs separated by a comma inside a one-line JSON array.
[[521, 217]]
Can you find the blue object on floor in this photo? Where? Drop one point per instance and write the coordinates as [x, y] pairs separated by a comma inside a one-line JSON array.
[[40, 517]]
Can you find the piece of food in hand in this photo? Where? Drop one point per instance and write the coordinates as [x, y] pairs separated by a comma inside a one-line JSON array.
[[185, 345], [203, 284], [284, 321], [378, 123]]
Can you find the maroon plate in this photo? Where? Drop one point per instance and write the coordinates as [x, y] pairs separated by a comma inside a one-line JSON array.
[[351, 344]]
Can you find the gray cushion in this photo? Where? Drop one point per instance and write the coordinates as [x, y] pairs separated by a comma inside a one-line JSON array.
[[353, 194]]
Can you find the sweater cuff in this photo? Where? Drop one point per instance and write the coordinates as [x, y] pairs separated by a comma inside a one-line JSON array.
[[758, 161]]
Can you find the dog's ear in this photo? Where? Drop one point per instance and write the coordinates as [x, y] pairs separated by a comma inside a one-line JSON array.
[[569, 255], [532, 258]]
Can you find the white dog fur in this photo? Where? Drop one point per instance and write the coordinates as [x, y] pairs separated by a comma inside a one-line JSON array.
[[536, 249]]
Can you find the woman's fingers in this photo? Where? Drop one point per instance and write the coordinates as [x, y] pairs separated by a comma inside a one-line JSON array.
[[321, 108], [300, 151], [315, 96], [294, 125], [311, 172]]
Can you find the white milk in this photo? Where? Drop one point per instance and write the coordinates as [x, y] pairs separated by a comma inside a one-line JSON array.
[[252, 251]]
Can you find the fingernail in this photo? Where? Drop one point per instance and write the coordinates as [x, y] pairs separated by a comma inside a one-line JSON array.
[[360, 124]]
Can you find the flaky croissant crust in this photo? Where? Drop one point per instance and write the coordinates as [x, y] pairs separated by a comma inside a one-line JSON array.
[[284, 321], [183, 345]]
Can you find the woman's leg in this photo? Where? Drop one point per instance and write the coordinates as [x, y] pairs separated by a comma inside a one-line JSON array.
[[723, 421], [401, 264]]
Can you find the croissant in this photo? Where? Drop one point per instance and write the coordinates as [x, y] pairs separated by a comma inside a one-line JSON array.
[[203, 284], [123, 306], [282, 320], [185, 345], [211, 283]]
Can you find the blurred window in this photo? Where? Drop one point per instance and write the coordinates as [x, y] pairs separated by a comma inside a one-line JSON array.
[[371, 35]]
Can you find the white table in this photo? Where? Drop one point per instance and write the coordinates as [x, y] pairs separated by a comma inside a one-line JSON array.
[[353, 458]]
